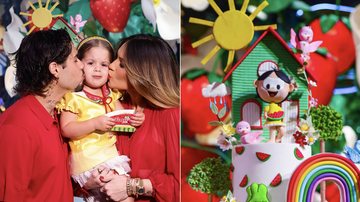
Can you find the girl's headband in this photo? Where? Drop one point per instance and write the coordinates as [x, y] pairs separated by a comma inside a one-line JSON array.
[[93, 38]]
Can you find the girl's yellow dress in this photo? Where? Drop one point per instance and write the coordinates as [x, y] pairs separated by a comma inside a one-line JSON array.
[[97, 147]]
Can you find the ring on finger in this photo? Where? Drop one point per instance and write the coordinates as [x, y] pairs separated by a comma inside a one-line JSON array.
[[100, 170]]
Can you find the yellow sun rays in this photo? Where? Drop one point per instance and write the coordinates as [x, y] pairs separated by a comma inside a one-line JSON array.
[[232, 29], [41, 17]]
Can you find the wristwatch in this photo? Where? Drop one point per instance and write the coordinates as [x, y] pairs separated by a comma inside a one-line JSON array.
[[140, 189]]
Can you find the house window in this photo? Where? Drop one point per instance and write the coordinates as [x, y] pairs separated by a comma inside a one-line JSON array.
[[291, 118], [251, 112]]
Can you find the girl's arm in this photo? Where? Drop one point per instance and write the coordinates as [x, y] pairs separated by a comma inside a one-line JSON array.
[[74, 129]]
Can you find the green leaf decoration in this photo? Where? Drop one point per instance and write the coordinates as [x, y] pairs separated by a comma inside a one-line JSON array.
[[274, 5], [328, 21], [222, 112], [216, 123], [206, 175], [194, 73], [346, 21], [214, 108], [300, 5], [322, 51], [213, 77]]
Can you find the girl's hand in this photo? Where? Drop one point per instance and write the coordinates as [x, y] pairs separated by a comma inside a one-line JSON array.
[[103, 123], [94, 180], [138, 118]]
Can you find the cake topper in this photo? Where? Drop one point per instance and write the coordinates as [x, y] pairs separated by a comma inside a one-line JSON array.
[[247, 137], [273, 87], [304, 43]]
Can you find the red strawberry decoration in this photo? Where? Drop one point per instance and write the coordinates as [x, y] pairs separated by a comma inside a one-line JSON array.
[[240, 150], [276, 181], [244, 181], [112, 14], [337, 39], [263, 156], [324, 71]]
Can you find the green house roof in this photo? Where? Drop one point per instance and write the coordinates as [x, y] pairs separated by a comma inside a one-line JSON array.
[[273, 47]]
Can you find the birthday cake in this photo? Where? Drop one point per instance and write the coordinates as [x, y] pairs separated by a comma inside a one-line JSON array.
[[269, 164], [270, 104]]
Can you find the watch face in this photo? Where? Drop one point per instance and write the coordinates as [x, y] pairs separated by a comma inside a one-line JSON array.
[[141, 191]]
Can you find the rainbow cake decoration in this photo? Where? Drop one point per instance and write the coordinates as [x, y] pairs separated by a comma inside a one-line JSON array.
[[320, 168]]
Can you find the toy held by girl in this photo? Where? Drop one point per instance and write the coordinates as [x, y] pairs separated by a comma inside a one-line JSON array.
[[83, 118], [273, 86]]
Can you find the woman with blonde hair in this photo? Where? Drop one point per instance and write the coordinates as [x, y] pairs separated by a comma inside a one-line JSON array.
[[147, 70]]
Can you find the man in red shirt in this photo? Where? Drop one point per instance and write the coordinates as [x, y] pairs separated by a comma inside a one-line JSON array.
[[33, 155]]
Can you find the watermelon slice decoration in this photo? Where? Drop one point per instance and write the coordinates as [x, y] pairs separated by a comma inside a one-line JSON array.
[[240, 150], [263, 156], [244, 181], [276, 181], [298, 155]]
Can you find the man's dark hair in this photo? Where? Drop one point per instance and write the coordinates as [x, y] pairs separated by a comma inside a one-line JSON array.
[[32, 59]]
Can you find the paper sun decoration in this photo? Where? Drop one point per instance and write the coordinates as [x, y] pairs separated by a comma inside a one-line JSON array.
[[41, 17], [232, 30]]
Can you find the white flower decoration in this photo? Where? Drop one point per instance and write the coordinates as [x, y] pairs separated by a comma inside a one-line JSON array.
[[311, 138], [163, 14], [305, 125], [198, 5], [312, 83], [313, 102], [223, 142]]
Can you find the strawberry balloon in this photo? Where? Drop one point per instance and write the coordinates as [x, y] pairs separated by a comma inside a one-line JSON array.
[[112, 14], [338, 41], [324, 71]]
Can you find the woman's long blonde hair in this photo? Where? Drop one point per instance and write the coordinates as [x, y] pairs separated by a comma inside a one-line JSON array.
[[152, 70]]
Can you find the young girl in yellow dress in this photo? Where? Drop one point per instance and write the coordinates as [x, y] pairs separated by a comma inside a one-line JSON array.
[[83, 118]]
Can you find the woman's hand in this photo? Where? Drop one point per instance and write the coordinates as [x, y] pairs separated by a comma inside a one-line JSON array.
[[138, 118], [103, 123], [95, 179], [115, 186]]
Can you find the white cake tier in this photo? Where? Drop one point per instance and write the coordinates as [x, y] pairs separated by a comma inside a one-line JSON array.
[[262, 163]]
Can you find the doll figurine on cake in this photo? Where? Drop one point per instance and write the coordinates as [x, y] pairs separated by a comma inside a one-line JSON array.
[[274, 86], [246, 136]]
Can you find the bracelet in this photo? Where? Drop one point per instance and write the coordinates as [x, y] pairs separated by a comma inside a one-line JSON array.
[[129, 189], [135, 187]]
